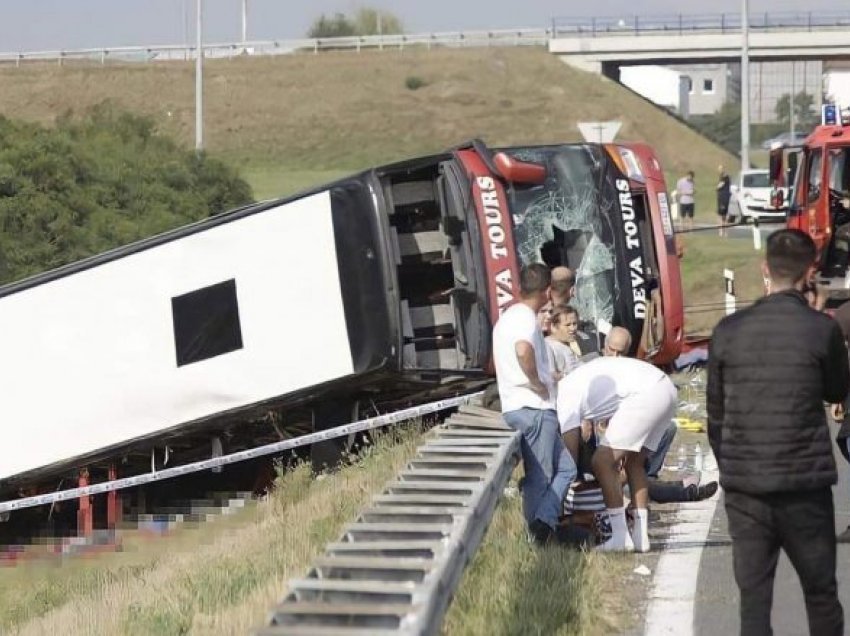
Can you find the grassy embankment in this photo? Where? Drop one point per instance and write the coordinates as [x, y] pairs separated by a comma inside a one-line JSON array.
[[288, 123], [291, 122], [223, 577]]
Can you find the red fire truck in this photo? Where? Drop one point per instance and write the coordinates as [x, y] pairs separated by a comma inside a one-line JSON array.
[[814, 179]]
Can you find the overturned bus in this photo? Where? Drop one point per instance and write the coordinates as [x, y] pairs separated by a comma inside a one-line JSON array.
[[372, 292]]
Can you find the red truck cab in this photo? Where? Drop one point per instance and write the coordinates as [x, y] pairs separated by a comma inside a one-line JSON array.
[[816, 178]]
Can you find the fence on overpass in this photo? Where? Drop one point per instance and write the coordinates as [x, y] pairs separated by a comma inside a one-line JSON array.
[[685, 24], [672, 24]]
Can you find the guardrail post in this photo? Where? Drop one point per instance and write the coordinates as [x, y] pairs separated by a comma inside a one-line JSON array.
[[729, 279], [113, 502], [103, 57], [59, 58], [18, 60], [85, 514], [315, 47]]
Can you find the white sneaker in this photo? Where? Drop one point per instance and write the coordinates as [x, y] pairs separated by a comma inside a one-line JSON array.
[[615, 544], [640, 532]]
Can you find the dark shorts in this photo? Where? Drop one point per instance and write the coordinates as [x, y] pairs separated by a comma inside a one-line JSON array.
[[687, 210], [722, 208]]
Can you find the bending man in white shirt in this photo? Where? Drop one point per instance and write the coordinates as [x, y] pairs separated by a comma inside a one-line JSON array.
[[527, 392], [638, 400]]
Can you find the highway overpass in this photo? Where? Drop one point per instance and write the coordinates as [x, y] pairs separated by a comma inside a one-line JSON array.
[[603, 45]]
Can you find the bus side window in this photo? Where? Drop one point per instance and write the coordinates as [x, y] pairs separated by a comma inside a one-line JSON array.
[[815, 175]]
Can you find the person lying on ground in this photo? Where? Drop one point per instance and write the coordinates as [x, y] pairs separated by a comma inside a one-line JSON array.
[[639, 400]]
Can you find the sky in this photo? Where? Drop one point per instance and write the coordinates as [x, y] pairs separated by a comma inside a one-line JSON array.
[[48, 25]]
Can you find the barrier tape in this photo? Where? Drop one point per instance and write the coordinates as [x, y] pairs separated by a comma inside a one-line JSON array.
[[233, 458]]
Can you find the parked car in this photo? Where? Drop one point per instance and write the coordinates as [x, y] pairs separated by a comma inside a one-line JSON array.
[[751, 197], [785, 139]]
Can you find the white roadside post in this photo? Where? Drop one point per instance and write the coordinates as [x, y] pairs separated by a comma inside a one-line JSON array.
[[729, 277], [756, 236]]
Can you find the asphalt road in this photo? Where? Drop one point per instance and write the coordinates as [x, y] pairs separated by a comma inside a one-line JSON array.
[[716, 607]]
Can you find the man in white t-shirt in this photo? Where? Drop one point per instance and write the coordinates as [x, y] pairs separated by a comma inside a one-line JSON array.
[[639, 400], [527, 393], [685, 195]]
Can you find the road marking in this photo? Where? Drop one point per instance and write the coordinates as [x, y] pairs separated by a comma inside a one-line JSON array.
[[671, 604]]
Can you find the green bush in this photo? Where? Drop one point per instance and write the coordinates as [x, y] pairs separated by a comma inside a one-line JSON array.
[[96, 182], [413, 82]]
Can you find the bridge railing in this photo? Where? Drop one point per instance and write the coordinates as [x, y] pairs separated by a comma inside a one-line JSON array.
[[159, 52], [683, 24]]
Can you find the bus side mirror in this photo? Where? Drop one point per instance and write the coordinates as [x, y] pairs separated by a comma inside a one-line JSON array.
[[517, 171]]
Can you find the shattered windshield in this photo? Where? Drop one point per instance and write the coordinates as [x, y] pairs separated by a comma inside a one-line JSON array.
[[566, 221]]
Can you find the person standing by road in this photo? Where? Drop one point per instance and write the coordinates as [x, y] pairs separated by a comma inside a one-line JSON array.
[[685, 196], [527, 392], [771, 367], [724, 194]]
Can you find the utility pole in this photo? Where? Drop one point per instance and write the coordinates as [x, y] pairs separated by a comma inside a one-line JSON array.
[[791, 100], [745, 85], [199, 81], [244, 21]]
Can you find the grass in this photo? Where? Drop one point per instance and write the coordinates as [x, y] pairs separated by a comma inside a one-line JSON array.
[[221, 577], [513, 588], [224, 576], [706, 256], [339, 112]]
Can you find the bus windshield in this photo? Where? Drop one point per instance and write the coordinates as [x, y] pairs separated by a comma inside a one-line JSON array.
[[567, 221]]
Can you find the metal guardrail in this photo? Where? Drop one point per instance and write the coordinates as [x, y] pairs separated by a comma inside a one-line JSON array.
[[395, 569], [684, 24], [680, 24], [165, 52]]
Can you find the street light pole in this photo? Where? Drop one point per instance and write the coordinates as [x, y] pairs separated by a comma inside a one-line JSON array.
[[745, 85], [244, 21], [199, 81]]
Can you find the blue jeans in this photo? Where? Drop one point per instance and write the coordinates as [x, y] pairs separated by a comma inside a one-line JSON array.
[[655, 462], [549, 467]]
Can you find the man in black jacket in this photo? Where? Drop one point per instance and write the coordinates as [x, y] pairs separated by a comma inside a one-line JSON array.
[[771, 367]]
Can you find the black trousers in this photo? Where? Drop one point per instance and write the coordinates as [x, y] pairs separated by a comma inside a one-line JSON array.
[[802, 524]]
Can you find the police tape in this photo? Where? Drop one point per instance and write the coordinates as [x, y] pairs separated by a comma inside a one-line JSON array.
[[240, 456]]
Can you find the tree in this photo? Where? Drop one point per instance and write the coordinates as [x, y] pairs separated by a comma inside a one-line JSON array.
[[723, 127], [367, 21], [94, 183], [804, 114], [334, 27]]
